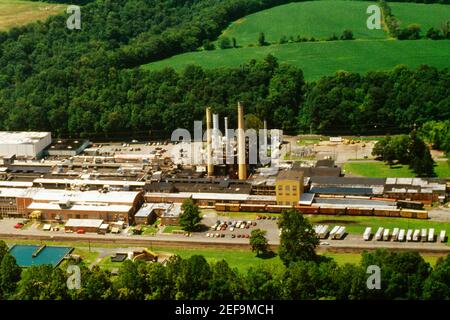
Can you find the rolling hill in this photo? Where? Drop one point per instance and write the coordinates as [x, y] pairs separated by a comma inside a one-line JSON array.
[[14, 13], [372, 49], [319, 19]]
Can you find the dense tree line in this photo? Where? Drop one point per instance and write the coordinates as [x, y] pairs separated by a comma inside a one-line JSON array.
[[437, 133], [83, 82], [52, 78], [404, 149], [403, 276], [412, 31], [69, 2], [378, 102]]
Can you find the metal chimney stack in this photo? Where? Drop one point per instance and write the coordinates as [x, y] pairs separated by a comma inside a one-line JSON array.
[[225, 134], [241, 144], [265, 136], [215, 132], [210, 166]]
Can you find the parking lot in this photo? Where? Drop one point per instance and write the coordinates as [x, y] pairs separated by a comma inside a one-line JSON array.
[[237, 228]]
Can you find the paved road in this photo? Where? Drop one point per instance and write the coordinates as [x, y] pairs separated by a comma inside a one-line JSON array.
[[439, 214]]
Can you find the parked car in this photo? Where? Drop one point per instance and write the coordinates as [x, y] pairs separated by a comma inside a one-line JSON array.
[[19, 225]]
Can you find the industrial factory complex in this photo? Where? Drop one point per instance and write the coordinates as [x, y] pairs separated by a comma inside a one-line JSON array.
[[89, 185]]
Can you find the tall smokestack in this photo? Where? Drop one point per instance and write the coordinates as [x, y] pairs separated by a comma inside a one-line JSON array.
[[241, 144], [215, 132], [265, 135], [209, 162], [225, 134]]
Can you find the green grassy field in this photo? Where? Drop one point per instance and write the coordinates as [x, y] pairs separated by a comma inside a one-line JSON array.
[[15, 13], [372, 50], [357, 224], [426, 15], [244, 259], [324, 58], [381, 170], [318, 19], [240, 259], [170, 229]]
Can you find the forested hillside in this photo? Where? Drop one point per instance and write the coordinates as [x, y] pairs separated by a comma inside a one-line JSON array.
[[84, 82]]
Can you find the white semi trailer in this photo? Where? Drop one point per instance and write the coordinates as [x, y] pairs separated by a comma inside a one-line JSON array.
[[442, 236], [367, 234], [409, 235], [401, 235], [431, 235], [323, 233], [395, 234], [416, 235], [386, 234], [423, 235], [379, 234], [333, 231], [340, 233]]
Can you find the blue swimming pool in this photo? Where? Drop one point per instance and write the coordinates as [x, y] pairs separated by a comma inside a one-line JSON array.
[[35, 255]]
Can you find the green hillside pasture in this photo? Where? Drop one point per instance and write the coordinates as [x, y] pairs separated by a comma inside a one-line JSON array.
[[381, 170], [426, 15], [15, 13], [318, 19], [318, 59]]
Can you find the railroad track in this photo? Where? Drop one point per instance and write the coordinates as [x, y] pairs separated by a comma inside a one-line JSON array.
[[341, 248]]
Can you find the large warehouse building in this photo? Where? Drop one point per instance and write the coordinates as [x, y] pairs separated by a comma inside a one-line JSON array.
[[23, 144]]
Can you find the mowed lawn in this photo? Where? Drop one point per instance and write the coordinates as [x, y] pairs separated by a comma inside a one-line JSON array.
[[244, 259], [318, 59], [381, 170], [426, 15], [318, 19], [357, 224], [15, 13]]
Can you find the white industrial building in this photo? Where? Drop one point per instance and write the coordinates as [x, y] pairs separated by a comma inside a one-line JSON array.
[[23, 144]]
